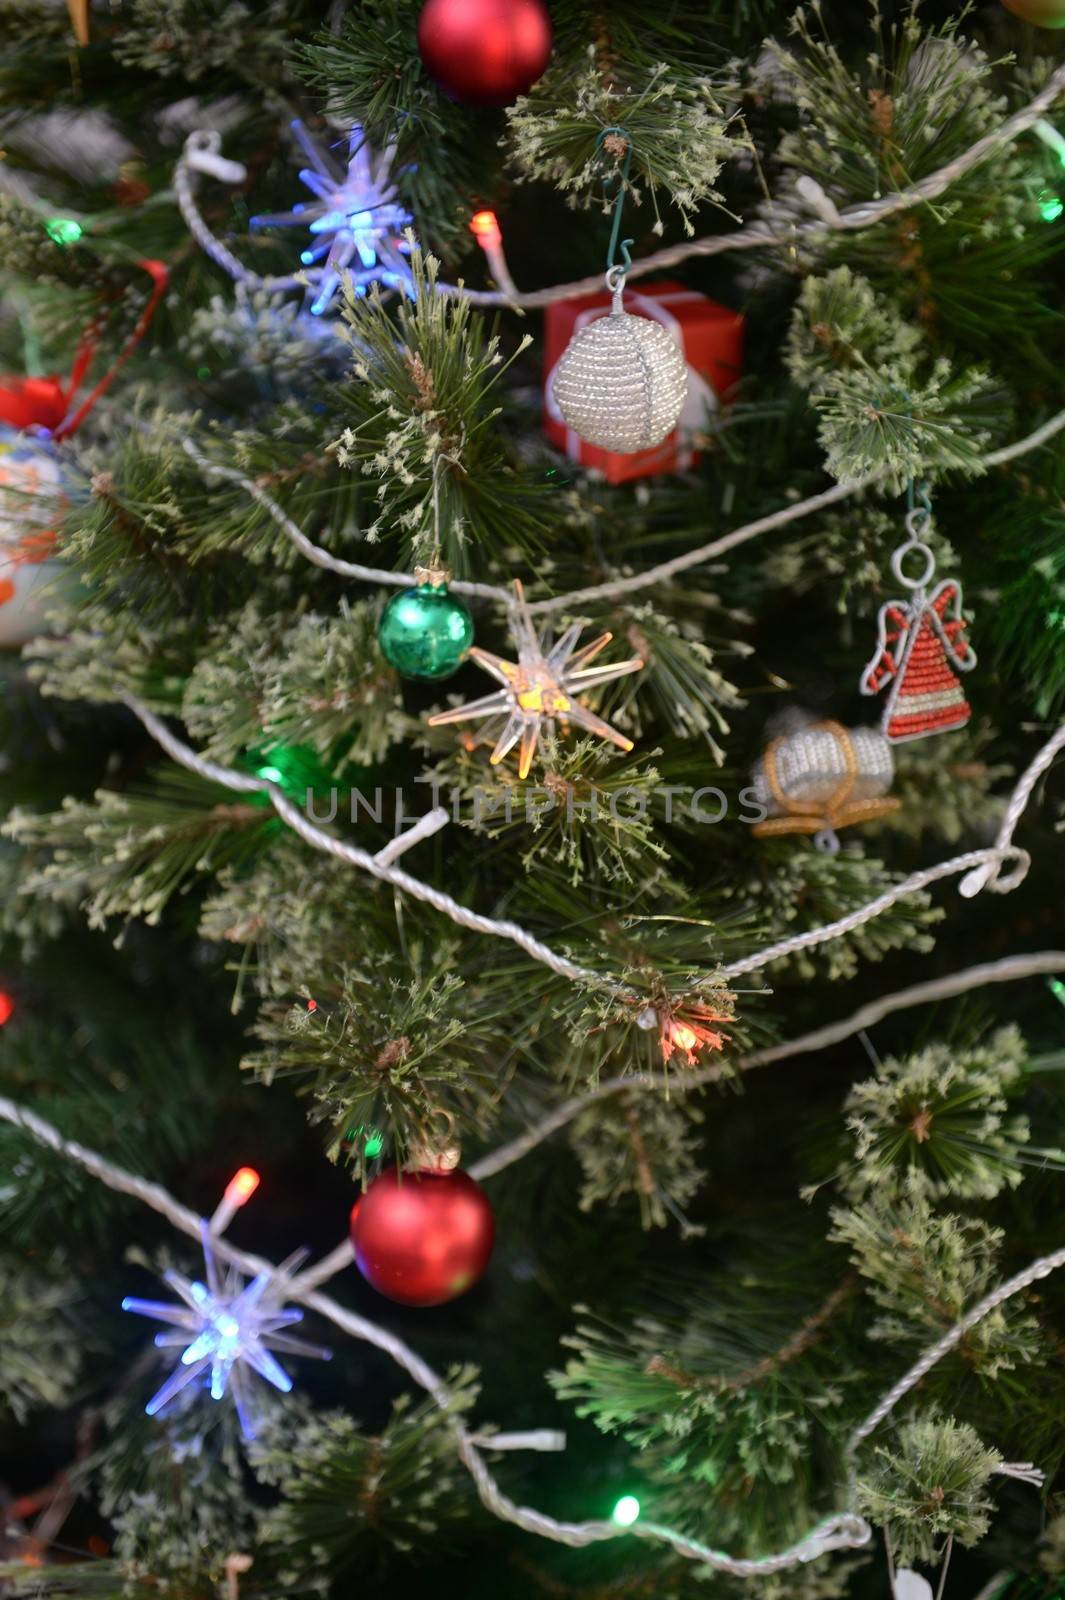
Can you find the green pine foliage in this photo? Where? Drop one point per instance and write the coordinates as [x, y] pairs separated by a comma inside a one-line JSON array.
[[563, 132], [923, 1269], [738, 1264], [376, 1050], [932, 1486], [38, 1358], [349, 1498], [939, 1123], [425, 407]]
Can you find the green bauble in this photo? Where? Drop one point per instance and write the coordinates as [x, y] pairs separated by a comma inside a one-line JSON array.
[[425, 632]]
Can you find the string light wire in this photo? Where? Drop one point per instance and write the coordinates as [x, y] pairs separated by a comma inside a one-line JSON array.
[[615, 588], [760, 235], [982, 866], [843, 1530]]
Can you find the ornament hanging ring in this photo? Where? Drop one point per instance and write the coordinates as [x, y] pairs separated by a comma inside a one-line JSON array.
[[436, 1151], [616, 275], [927, 572]]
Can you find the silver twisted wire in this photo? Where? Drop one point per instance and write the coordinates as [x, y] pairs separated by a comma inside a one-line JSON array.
[[837, 1532], [760, 235], [977, 861], [842, 1530]]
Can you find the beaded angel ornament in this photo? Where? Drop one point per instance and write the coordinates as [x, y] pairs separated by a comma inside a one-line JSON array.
[[921, 647]]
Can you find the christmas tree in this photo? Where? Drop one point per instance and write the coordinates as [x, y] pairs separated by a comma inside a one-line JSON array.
[[532, 649]]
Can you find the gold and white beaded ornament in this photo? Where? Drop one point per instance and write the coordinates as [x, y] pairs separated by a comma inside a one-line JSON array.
[[622, 381], [817, 777]]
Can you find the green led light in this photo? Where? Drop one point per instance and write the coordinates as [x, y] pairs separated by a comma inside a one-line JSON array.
[[626, 1511], [1050, 206], [64, 230], [1057, 989], [203, 373], [375, 1140], [271, 774]]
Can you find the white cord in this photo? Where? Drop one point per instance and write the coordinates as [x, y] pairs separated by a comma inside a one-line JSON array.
[[314, 552], [1005, 971], [616, 587], [842, 1531], [759, 236], [777, 519], [924, 1363], [244, 783], [989, 877], [991, 857]]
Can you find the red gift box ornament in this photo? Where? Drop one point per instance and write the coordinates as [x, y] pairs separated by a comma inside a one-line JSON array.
[[921, 646], [709, 338]]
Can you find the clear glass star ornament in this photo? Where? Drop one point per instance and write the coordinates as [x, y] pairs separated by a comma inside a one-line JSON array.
[[541, 688], [355, 218], [226, 1329]]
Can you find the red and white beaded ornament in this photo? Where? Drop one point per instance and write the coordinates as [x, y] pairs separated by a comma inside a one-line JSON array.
[[921, 647]]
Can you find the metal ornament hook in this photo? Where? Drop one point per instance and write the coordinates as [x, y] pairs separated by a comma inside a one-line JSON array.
[[622, 180]]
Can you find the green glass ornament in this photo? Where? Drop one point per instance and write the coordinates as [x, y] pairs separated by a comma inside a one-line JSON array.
[[426, 632]]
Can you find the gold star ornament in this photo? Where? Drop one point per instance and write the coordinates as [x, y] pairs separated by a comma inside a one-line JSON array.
[[541, 688]]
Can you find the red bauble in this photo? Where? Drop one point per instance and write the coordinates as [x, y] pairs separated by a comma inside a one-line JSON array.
[[1044, 13], [33, 402], [484, 52], [422, 1238]]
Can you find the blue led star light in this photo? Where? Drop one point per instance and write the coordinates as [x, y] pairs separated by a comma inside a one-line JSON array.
[[226, 1328], [355, 218]]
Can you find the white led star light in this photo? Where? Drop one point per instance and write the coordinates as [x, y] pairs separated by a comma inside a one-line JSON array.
[[226, 1328], [355, 218]]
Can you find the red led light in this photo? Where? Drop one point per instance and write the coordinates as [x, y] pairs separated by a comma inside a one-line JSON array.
[[485, 229], [7, 1008], [242, 1185]]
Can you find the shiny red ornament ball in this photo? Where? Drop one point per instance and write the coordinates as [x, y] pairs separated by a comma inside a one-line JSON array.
[[484, 52], [1044, 13], [422, 1238]]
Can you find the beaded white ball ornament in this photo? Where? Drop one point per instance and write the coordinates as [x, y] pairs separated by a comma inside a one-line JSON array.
[[622, 382]]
